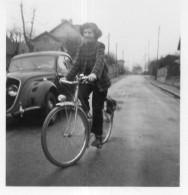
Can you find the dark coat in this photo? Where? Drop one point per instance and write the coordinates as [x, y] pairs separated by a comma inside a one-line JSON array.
[[90, 59]]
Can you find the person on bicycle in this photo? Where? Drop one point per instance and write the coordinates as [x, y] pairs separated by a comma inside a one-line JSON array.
[[90, 60]]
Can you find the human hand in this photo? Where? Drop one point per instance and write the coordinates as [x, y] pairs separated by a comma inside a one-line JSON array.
[[92, 77], [62, 79]]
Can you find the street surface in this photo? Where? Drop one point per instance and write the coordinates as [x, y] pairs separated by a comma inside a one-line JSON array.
[[144, 149]]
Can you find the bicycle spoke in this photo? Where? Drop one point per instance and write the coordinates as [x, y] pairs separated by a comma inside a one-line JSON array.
[[65, 140]]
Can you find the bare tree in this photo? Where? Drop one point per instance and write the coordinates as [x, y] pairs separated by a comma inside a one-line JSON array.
[[71, 45], [28, 34], [15, 36], [111, 59]]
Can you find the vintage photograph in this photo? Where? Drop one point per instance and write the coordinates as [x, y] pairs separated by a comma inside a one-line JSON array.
[[93, 93]]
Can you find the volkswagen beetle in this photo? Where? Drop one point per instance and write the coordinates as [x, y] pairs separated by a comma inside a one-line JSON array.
[[32, 81]]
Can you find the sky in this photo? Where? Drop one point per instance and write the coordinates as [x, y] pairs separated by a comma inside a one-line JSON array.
[[136, 27]]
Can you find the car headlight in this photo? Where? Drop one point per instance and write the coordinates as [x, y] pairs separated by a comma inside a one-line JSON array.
[[13, 90]]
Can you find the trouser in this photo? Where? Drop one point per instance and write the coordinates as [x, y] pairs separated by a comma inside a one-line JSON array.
[[97, 105]]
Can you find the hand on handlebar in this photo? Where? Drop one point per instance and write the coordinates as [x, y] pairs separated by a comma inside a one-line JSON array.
[[62, 79], [91, 77]]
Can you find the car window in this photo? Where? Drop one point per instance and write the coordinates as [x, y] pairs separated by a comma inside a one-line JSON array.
[[61, 65], [33, 63], [68, 62]]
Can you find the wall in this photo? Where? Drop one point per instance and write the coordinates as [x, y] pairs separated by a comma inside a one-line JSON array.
[[173, 80], [161, 74], [170, 80]]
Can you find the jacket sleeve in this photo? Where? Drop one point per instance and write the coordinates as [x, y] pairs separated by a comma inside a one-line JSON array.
[[99, 63], [76, 66]]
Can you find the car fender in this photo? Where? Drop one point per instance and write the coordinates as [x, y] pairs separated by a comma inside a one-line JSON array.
[[39, 91]]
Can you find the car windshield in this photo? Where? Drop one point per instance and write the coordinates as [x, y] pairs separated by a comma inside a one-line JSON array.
[[33, 63]]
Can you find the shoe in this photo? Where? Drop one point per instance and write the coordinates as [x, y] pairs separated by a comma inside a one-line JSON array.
[[97, 142]]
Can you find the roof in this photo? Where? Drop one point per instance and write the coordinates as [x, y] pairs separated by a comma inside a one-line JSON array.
[[53, 53], [48, 34], [76, 27]]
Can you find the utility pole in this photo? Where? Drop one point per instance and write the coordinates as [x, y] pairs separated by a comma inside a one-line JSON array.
[[133, 60], [108, 47], [116, 61], [158, 43], [123, 55], [116, 52], [157, 55], [108, 44], [145, 60], [148, 55]]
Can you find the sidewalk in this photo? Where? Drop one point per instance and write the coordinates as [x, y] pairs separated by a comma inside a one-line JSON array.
[[168, 88]]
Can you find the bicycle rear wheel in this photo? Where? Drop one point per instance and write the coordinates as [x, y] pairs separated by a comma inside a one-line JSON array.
[[65, 140], [107, 126]]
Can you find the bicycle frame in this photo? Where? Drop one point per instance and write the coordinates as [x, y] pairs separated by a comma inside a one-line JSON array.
[[75, 102]]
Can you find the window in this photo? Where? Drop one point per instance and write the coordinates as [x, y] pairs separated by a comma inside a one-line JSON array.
[[33, 63], [68, 62], [61, 65]]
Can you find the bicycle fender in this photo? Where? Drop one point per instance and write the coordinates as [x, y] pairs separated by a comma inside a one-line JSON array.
[[65, 104]]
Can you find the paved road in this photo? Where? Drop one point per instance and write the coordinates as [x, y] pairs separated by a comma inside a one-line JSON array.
[[143, 149]]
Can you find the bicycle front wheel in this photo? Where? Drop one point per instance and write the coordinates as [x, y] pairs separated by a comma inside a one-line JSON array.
[[107, 126], [65, 139]]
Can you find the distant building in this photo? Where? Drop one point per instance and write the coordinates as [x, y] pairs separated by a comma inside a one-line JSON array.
[[137, 70], [121, 68], [46, 42], [56, 39], [66, 29]]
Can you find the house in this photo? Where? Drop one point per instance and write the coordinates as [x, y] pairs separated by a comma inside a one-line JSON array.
[[66, 30], [46, 42], [64, 37]]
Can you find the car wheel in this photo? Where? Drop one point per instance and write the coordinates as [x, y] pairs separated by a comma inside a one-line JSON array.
[[50, 103]]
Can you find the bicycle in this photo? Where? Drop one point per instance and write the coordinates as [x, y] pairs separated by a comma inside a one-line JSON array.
[[66, 129]]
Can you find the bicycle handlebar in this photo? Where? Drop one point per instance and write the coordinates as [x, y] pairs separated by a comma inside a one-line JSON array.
[[68, 82], [80, 79]]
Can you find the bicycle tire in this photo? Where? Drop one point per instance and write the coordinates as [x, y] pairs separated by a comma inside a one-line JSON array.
[[57, 142], [107, 126]]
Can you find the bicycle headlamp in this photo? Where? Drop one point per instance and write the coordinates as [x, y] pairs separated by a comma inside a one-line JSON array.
[[61, 98], [13, 90]]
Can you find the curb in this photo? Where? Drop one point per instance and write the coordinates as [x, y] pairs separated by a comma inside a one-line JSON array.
[[172, 93]]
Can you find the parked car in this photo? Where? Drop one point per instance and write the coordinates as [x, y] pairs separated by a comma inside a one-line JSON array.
[[32, 81]]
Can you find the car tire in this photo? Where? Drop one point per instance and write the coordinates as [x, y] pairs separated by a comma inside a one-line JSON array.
[[49, 104]]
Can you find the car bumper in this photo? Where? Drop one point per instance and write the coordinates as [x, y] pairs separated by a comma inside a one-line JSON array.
[[22, 111]]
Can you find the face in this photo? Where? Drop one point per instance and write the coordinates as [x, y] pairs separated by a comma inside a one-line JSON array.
[[89, 35]]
